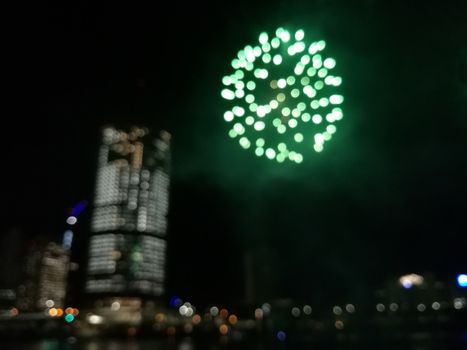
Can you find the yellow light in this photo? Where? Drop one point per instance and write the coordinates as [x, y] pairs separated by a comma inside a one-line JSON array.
[[233, 319], [53, 312]]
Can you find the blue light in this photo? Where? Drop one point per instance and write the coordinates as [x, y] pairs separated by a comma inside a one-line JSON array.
[[281, 335], [78, 208], [175, 302], [67, 239], [407, 284], [462, 280], [69, 318]]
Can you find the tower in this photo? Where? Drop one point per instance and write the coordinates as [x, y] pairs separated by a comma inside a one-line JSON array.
[[127, 248]]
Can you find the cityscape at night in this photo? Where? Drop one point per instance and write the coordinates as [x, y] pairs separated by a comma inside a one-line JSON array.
[[236, 175]]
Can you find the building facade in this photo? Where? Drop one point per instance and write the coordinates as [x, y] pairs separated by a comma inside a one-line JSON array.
[[127, 248]]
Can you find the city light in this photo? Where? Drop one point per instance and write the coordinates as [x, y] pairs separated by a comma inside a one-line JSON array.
[[408, 281], [462, 280], [274, 88]]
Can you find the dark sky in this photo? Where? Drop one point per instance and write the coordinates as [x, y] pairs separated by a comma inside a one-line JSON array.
[[388, 195]]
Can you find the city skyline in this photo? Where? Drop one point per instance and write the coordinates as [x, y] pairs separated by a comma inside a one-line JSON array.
[[386, 198]]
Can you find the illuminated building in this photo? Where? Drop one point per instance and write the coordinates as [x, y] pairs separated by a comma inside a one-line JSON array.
[[46, 273], [127, 246]]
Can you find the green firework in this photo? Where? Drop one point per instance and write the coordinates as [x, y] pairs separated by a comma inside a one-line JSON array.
[[284, 96]]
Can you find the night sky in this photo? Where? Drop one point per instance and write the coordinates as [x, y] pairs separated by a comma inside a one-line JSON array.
[[387, 196]]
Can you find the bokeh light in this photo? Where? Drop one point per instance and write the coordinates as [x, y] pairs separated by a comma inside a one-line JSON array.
[[274, 89]]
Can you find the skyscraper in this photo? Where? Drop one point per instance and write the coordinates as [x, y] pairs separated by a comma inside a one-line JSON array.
[[127, 248]]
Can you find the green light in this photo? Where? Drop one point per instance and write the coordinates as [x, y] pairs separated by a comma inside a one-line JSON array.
[[280, 158], [291, 50], [274, 104], [323, 101], [238, 111], [337, 81], [259, 125], [69, 318], [263, 38], [226, 80], [260, 142], [295, 93], [311, 72], [275, 43], [306, 117], [299, 47], [295, 113], [329, 63], [301, 106], [299, 35], [270, 153], [285, 111], [321, 45], [327, 136], [259, 151], [305, 81], [281, 97], [337, 112], [239, 129], [305, 59], [257, 51], [266, 47], [319, 85], [249, 120], [317, 119], [330, 117], [293, 123], [322, 72], [277, 59], [232, 133], [239, 93], [266, 58], [251, 85], [276, 122], [281, 129], [331, 129], [298, 158], [239, 85], [290, 80], [282, 147], [228, 94], [235, 64], [314, 104], [319, 138], [250, 98], [281, 83], [299, 68], [285, 36], [279, 31], [239, 74], [228, 116], [244, 142], [309, 91], [253, 107], [336, 99], [298, 137], [318, 147], [241, 55]]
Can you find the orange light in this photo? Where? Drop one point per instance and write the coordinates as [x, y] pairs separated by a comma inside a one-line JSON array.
[[196, 319], [75, 312], [53, 312], [224, 313], [171, 330], [160, 317], [59, 312], [223, 329], [14, 311], [69, 310], [233, 319]]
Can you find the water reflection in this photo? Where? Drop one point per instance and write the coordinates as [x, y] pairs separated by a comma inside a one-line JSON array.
[[409, 343]]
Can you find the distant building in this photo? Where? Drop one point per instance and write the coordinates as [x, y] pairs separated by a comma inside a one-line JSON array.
[[127, 246], [45, 278]]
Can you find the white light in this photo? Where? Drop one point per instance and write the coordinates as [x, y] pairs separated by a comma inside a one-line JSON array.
[[49, 303], [95, 319], [307, 310], [380, 307], [115, 306], [214, 311], [71, 220]]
